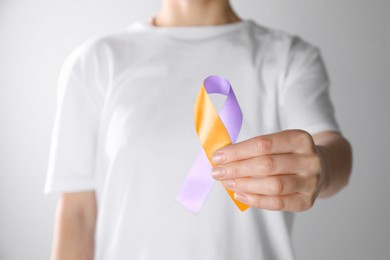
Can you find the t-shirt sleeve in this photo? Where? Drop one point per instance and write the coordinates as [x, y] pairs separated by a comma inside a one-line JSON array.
[[71, 165], [304, 100]]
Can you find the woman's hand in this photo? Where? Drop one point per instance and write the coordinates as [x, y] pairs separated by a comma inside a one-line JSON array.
[[281, 171]]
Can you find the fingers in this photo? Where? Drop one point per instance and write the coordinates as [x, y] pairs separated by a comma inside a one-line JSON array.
[[267, 165], [293, 202], [274, 185], [278, 171], [289, 141]]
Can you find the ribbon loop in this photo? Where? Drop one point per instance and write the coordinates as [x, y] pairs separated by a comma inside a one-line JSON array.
[[214, 131]]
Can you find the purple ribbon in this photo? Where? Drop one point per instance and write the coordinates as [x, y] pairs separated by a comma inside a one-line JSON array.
[[199, 181]]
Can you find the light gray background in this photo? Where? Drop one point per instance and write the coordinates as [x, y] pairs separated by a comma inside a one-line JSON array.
[[354, 35]]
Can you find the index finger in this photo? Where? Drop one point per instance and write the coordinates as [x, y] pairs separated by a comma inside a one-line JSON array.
[[288, 141]]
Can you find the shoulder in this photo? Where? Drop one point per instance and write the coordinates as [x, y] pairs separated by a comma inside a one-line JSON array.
[[106, 46], [282, 43]]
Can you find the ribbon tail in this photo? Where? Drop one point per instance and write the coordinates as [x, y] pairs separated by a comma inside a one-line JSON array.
[[197, 185]]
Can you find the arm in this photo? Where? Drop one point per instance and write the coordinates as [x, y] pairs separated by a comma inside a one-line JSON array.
[[75, 226], [336, 154]]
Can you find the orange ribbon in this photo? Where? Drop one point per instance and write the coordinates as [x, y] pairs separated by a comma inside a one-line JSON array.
[[212, 132]]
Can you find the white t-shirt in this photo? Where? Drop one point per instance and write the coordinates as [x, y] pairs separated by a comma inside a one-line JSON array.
[[124, 127]]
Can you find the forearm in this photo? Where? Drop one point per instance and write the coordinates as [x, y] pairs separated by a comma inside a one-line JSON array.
[[74, 232], [336, 154]]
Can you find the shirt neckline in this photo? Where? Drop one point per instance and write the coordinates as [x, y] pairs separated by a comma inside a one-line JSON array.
[[191, 32]]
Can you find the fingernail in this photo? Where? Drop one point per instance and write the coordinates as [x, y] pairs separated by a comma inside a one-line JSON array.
[[218, 172], [241, 197], [229, 184], [218, 158]]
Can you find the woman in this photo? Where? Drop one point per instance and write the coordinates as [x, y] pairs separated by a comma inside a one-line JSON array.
[[124, 139]]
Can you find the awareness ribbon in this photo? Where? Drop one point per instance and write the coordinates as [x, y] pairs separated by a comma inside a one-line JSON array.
[[214, 131]]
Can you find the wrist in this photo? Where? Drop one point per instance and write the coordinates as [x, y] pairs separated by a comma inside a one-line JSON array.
[[324, 181]]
